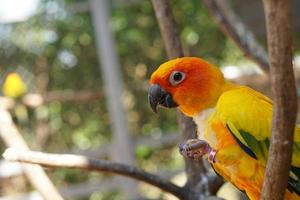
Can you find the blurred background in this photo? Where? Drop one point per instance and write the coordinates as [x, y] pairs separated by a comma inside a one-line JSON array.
[[65, 63]]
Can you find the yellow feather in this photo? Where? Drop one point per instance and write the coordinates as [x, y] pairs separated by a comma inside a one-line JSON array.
[[247, 110], [13, 86]]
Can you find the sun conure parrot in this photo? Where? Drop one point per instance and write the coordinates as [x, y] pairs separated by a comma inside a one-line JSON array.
[[233, 122]]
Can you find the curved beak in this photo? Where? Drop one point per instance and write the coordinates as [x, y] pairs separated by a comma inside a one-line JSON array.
[[158, 96]]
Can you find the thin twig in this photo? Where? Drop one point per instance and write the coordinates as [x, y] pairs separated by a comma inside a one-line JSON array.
[[279, 35], [82, 162], [167, 27], [35, 99], [73, 96], [35, 174], [235, 29]]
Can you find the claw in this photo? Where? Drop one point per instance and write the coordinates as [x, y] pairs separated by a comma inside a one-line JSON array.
[[181, 147], [195, 149]]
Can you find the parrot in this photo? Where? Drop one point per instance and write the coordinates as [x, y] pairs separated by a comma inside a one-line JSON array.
[[233, 122]]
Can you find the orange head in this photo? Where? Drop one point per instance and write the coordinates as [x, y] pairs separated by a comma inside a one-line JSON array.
[[189, 82]]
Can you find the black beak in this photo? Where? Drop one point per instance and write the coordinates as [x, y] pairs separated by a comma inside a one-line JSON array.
[[158, 96]]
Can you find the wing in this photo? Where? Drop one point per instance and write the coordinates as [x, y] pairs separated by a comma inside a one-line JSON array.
[[247, 115]]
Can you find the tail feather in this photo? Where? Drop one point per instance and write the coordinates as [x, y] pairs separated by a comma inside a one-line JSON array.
[[294, 180]]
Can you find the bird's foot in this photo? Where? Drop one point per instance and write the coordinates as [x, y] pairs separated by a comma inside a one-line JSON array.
[[195, 149]]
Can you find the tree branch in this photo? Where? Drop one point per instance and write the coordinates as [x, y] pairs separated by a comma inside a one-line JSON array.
[[235, 29], [73, 96], [278, 18], [35, 99], [82, 162], [35, 174], [196, 172], [168, 29]]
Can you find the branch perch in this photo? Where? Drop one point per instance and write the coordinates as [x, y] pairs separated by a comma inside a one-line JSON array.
[[196, 171], [35, 174], [235, 29], [82, 162], [279, 35]]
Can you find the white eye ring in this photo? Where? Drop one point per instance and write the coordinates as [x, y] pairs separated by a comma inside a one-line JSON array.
[[176, 77]]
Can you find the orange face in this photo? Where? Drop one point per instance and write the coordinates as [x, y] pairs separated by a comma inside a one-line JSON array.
[[191, 83]]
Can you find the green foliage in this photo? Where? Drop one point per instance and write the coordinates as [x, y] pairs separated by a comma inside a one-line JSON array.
[[143, 152], [63, 40]]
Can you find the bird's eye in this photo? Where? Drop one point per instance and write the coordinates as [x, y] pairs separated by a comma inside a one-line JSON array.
[[176, 77]]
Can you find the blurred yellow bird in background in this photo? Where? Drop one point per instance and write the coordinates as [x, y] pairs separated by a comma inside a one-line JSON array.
[[13, 86]]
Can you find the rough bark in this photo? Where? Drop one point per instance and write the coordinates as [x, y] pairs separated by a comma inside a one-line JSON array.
[[197, 181], [278, 20]]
